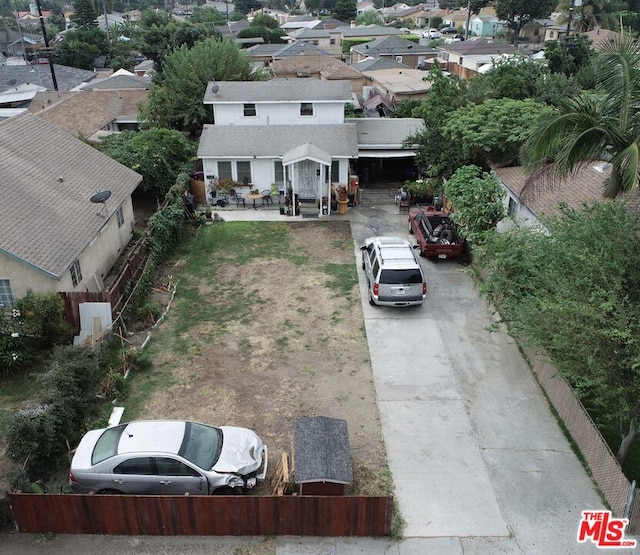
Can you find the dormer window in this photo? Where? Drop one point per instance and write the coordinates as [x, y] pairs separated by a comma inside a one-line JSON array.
[[250, 110], [306, 109]]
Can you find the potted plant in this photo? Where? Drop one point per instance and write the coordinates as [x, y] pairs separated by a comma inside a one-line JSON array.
[[342, 192]]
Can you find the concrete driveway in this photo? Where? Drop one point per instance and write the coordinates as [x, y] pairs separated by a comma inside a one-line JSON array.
[[479, 463]]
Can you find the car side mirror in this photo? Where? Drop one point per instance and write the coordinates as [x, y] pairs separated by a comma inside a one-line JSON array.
[[363, 248]]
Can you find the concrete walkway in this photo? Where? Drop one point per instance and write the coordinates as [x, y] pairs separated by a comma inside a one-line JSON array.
[[479, 463]]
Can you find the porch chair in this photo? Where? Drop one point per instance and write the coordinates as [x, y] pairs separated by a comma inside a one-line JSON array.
[[238, 198], [266, 197]]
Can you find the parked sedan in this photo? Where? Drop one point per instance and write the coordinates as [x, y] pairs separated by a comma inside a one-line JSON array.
[[172, 457]]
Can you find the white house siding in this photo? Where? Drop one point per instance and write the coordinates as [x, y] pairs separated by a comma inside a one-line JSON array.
[[283, 113]]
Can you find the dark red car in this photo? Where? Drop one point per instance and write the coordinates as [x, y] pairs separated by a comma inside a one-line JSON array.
[[436, 233]]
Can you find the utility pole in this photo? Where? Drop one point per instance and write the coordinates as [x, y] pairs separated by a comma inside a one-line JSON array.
[[565, 40], [466, 29], [46, 44]]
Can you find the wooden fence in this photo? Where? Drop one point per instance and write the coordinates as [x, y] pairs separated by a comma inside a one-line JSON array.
[[201, 515], [115, 293]]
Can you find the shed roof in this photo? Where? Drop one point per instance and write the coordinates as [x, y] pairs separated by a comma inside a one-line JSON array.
[[322, 451]]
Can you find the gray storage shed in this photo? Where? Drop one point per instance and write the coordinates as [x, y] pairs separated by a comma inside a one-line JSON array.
[[322, 456]]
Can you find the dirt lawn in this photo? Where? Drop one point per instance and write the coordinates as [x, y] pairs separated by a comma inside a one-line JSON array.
[[304, 353]]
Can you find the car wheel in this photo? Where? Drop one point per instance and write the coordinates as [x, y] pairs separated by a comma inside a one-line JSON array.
[[410, 228], [371, 301], [109, 492]]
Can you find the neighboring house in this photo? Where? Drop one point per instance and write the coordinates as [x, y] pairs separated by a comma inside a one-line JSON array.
[[600, 36], [486, 26], [395, 48], [291, 132], [398, 84], [265, 54], [32, 17], [52, 237], [373, 64], [471, 57], [67, 77], [15, 43], [419, 16], [584, 186], [322, 38], [370, 32], [91, 114], [362, 7], [323, 68], [533, 32], [120, 80], [555, 32], [110, 20]]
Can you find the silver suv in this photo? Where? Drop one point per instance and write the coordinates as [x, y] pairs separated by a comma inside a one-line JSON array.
[[394, 275]]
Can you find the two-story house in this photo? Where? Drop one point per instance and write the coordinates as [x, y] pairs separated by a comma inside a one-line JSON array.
[[292, 132]]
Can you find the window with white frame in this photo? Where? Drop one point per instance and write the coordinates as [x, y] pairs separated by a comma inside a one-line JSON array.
[[6, 295], [224, 170], [278, 172], [244, 172], [120, 217], [249, 110], [399, 59], [76, 273], [335, 171], [306, 109]]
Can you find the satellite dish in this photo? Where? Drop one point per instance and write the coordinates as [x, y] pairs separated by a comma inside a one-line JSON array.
[[100, 197], [215, 88], [12, 82]]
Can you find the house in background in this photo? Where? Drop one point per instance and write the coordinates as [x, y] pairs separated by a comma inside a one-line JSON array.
[[53, 238], [486, 26], [324, 68], [91, 114], [471, 57], [395, 48]]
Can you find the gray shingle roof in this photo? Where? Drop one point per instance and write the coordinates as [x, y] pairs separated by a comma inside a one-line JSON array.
[[236, 141], [280, 90], [66, 77], [391, 46], [385, 133], [119, 82], [375, 64], [45, 222], [322, 451]]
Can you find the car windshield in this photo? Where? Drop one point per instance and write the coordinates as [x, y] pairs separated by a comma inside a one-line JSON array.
[[107, 444], [201, 445], [400, 276]]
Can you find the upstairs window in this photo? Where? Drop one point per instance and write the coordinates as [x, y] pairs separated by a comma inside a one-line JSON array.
[[306, 109], [249, 110]]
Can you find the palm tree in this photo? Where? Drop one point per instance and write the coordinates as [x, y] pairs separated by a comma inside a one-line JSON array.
[[600, 125]]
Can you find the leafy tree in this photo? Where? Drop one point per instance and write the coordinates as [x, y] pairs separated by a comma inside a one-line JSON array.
[[81, 47], [84, 14], [175, 99], [597, 126], [267, 21], [517, 13], [314, 6], [405, 108], [266, 27], [477, 200], [554, 88], [370, 17], [245, 6], [434, 153], [159, 155], [345, 10], [207, 15], [575, 292], [492, 133], [571, 53], [514, 78]]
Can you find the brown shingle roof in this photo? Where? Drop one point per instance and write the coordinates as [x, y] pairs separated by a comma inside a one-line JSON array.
[[83, 113], [44, 221], [586, 185], [329, 67]]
